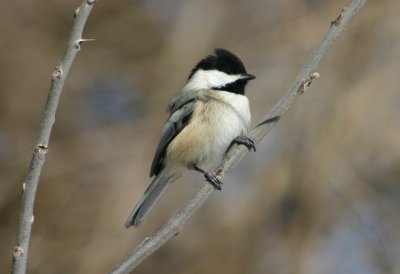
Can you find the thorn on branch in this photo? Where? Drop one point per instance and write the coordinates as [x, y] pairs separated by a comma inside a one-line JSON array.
[[57, 73], [42, 148], [337, 21], [17, 252], [76, 12], [220, 173], [307, 83], [91, 2], [32, 219], [79, 42], [23, 187]]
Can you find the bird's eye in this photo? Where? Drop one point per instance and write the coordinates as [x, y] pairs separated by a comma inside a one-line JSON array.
[[228, 71]]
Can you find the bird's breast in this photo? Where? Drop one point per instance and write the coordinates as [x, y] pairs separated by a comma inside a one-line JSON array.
[[219, 117], [228, 115]]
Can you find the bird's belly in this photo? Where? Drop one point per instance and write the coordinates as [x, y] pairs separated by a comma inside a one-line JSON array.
[[204, 141]]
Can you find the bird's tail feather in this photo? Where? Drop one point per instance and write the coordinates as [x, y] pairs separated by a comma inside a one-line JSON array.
[[150, 197]]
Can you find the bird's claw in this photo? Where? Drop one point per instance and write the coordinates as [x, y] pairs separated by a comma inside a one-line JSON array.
[[246, 141], [213, 179]]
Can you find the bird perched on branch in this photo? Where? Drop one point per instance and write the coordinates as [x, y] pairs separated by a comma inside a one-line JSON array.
[[209, 114]]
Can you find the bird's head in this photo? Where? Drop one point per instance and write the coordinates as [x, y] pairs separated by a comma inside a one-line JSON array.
[[221, 71]]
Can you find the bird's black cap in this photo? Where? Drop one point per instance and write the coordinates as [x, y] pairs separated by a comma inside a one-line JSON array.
[[222, 60]]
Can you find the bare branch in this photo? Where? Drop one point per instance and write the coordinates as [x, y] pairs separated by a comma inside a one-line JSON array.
[[300, 85], [29, 187]]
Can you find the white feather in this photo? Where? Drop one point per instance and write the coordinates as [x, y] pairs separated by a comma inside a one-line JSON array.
[[230, 114], [208, 79], [219, 117]]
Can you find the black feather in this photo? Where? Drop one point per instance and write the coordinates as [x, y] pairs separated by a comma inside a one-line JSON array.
[[223, 60]]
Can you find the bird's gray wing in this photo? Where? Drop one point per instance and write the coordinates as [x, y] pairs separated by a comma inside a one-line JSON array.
[[180, 117], [184, 97]]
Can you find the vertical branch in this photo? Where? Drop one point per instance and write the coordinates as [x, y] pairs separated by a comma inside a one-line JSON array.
[[304, 79], [29, 187]]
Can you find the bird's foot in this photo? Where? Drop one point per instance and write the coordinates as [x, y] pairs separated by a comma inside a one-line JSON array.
[[214, 180], [246, 141]]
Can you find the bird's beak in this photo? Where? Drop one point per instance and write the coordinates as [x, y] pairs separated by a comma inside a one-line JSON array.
[[248, 77]]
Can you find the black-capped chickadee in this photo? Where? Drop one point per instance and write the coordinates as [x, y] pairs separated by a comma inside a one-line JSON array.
[[209, 114]]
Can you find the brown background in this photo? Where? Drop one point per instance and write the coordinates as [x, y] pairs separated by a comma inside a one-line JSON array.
[[320, 195]]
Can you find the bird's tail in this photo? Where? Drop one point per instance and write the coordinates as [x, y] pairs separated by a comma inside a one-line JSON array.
[[150, 197]]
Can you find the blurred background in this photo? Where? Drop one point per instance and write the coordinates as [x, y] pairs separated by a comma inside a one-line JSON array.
[[320, 195]]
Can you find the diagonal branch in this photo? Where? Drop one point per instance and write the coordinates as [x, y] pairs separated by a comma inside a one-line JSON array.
[[29, 187], [237, 153]]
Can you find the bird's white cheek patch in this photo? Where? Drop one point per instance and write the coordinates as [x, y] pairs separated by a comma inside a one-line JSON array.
[[219, 79], [208, 79]]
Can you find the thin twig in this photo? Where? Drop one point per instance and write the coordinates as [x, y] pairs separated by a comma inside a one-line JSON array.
[[29, 187], [236, 154]]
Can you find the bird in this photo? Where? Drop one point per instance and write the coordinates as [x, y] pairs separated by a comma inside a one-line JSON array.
[[207, 116]]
